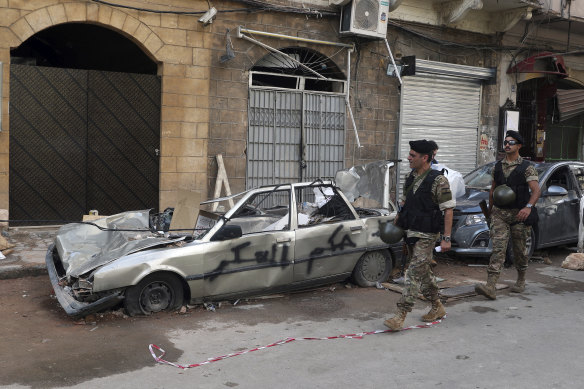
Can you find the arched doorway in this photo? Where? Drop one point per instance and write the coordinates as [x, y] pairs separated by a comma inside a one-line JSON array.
[[296, 121], [84, 125]]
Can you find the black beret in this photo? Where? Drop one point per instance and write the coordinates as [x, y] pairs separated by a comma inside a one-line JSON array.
[[434, 145], [422, 146], [515, 135]]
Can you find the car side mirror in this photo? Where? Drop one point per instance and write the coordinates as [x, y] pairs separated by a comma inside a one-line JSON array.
[[555, 190], [228, 231]]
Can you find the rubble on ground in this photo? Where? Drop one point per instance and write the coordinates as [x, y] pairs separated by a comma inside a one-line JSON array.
[[574, 261]]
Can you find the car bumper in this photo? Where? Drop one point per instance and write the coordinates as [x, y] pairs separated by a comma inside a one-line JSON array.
[[472, 241], [471, 252], [71, 306]]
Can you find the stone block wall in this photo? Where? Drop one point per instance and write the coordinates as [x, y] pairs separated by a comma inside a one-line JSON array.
[[204, 101], [175, 41], [374, 96]]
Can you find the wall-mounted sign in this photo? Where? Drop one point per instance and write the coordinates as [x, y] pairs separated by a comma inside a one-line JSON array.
[[484, 145]]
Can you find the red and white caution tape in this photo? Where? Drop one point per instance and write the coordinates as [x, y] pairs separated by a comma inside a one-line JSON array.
[[158, 358]]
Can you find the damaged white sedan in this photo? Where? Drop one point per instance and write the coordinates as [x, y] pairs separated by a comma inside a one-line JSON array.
[[274, 239]]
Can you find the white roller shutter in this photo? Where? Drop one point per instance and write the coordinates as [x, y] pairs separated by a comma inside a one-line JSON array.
[[443, 108]]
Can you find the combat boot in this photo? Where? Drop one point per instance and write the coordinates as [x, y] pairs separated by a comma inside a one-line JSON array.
[[396, 323], [488, 290], [436, 312], [519, 286]]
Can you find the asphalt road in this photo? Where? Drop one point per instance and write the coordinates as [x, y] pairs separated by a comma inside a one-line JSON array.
[[532, 340]]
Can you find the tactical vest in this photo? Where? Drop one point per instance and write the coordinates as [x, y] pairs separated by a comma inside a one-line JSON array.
[[421, 213], [516, 181]]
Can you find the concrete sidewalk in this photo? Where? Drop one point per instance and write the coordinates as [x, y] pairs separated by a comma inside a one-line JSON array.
[[27, 257]]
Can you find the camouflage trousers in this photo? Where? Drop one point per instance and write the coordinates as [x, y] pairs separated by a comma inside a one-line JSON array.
[[503, 223], [419, 276]]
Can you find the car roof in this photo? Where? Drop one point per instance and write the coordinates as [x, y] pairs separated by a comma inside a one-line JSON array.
[[273, 187], [544, 165]]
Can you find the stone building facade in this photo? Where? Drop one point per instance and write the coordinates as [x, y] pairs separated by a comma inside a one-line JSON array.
[[204, 101]]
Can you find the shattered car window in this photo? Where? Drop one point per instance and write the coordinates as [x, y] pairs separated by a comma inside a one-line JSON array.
[[266, 211], [480, 178], [319, 205], [579, 174], [561, 177]]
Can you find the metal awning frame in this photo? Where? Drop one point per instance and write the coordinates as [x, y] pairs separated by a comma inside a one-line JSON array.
[[545, 63], [350, 48]]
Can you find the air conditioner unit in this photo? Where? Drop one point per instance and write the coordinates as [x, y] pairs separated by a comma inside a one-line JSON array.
[[365, 18]]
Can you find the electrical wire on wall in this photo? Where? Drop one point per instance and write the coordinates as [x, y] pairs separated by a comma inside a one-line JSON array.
[[256, 6]]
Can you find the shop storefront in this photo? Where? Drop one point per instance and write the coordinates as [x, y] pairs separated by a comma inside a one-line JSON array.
[[551, 107]]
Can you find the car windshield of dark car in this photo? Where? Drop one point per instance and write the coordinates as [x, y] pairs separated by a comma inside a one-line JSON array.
[[480, 178]]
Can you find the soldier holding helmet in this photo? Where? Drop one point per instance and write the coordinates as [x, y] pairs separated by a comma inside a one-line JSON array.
[[510, 205], [427, 209]]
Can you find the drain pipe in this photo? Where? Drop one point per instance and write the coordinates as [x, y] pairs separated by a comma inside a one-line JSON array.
[[392, 60], [347, 101], [397, 170]]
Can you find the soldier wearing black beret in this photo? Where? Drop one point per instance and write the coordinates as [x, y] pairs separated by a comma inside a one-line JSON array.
[[515, 135], [422, 146], [427, 210]]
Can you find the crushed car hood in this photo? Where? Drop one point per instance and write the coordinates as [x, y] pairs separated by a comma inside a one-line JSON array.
[[84, 247]]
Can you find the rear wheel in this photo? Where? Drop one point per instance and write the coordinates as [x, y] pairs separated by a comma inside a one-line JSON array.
[[373, 267], [157, 292], [530, 243]]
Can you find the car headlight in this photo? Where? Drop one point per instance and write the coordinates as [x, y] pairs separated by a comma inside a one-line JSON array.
[[472, 220]]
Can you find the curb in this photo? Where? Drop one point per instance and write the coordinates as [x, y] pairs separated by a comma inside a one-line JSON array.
[[18, 271]]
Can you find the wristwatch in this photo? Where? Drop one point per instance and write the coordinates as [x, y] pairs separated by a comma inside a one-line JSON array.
[[446, 238], [529, 205]]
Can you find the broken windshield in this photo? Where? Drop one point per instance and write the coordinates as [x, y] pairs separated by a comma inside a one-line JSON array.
[[480, 178]]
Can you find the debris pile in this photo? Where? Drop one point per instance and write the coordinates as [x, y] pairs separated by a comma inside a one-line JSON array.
[[574, 261], [5, 247]]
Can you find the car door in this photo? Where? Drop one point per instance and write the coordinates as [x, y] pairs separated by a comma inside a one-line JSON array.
[[332, 242], [559, 216], [261, 259]]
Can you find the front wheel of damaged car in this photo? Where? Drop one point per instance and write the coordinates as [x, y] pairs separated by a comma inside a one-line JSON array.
[[373, 267], [157, 292]]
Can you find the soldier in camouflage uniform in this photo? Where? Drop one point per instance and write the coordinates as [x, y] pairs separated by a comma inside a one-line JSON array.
[[509, 218], [427, 208]]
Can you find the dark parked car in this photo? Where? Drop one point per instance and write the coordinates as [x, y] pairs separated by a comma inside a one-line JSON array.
[[562, 187]]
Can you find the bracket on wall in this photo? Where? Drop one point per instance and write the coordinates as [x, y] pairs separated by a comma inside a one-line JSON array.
[[455, 10], [506, 20], [407, 67]]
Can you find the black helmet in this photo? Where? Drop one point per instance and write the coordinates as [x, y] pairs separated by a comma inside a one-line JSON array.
[[503, 195], [390, 233]]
